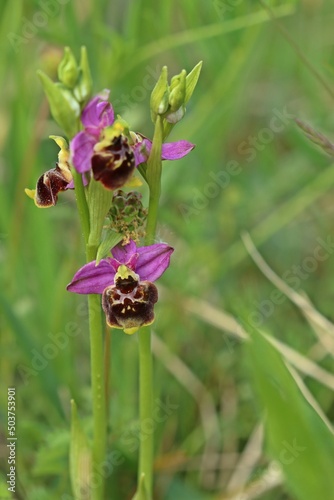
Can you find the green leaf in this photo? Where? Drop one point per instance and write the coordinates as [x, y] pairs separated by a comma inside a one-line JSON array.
[[99, 202], [46, 376], [141, 491], [297, 437], [64, 107], [159, 95], [80, 458], [4, 493], [109, 240], [51, 457], [191, 81]]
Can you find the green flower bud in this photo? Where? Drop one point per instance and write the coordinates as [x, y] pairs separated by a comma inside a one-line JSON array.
[[68, 70], [181, 89], [159, 97], [83, 89], [177, 98], [64, 107], [177, 91], [176, 116]]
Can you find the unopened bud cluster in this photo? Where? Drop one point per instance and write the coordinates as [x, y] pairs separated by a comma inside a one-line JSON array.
[[127, 215], [169, 101]]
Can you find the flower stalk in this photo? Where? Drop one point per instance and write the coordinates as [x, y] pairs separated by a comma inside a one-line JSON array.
[[96, 351], [145, 466], [82, 206], [96, 345], [153, 175], [98, 392]]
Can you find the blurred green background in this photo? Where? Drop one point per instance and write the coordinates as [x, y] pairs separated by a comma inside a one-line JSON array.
[[252, 170]]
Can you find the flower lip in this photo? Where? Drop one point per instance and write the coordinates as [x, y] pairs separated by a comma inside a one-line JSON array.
[[130, 311], [49, 185], [148, 263], [114, 165]]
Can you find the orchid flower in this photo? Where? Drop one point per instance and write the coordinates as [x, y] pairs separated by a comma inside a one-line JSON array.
[[109, 150], [125, 282], [53, 181]]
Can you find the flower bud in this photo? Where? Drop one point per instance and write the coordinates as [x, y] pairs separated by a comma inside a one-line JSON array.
[[177, 91], [68, 70], [159, 97], [83, 89], [177, 98]]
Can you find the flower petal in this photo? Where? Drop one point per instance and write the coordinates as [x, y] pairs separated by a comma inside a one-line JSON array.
[[84, 180], [141, 150], [123, 253], [98, 113], [153, 261], [170, 150], [176, 150], [92, 279], [82, 149]]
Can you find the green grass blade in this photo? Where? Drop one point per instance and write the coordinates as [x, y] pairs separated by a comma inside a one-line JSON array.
[[297, 437]]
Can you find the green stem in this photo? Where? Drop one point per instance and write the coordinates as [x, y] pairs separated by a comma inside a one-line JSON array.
[[98, 384], [98, 393], [152, 219], [153, 174], [145, 468], [96, 351], [81, 203]]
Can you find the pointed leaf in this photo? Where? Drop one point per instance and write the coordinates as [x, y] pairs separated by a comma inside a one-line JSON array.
[[191, 81], [80, 459], [64, 108], [298, 438], [109, 240], [99, 202], [141, 493]]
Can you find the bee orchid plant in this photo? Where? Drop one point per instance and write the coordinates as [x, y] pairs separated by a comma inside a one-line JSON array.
[[99, 156]]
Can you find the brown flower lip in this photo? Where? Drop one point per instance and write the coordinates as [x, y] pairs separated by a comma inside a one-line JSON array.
[[114, 165], [130, 310], [48, 186]]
